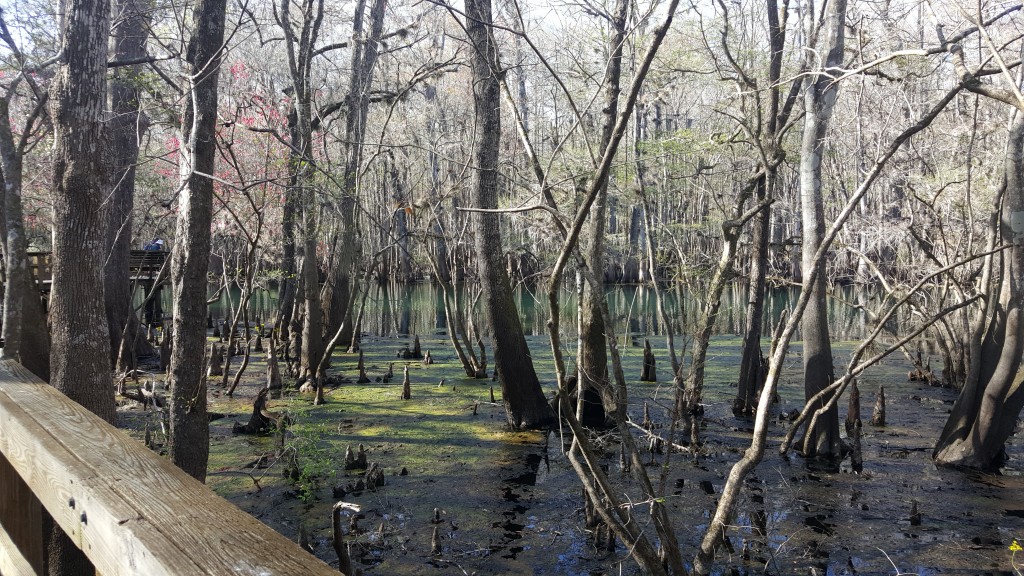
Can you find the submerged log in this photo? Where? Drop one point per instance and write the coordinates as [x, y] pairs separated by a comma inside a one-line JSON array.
[[649, 371], [145, 395], [878, 415]]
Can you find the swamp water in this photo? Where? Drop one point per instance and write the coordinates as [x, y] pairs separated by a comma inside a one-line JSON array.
[[509, 503]]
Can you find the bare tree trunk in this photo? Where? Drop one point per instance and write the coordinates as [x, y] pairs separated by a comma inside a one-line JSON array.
[[751, 363], [25, 332], [819, 102], [525, 405], [299, 46], [16, 290], [357, 104], [751, 373], [81, 347], [593, 355], [126, 128], [289, 284], [190, 428]]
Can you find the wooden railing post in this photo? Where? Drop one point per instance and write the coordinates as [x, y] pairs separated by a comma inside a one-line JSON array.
[[129, 510], [21, 525]]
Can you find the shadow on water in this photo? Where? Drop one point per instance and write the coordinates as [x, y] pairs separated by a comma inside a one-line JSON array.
[[516, 492]]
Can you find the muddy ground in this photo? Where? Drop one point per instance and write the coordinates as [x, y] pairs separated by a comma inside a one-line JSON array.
[[508, 503]]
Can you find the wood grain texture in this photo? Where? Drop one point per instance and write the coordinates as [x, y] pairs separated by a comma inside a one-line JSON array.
[[130, 510]]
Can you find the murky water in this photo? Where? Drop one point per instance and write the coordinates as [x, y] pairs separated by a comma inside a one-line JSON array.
[[400, 309], [512, 504]]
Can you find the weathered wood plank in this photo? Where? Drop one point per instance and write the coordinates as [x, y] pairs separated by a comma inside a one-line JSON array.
[[130, 510]]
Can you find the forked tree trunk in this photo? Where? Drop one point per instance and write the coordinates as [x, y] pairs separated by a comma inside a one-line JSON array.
[[986, 412], [301, 171], [190, 429], [525, 405]]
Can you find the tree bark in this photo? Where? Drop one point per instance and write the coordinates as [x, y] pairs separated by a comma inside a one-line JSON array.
[[16, 291], [81, 348], [819, 101], [593, 355], [986, 412], [301, 165], [525, 405], [126, 128], [751, 372], [751, 375], [357, 103], [189, 430]]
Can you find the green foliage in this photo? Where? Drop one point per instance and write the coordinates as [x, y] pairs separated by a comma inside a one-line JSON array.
[[313, 459]]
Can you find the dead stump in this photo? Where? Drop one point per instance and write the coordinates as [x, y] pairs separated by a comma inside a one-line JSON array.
[[857, 453], [406, 388], [427, 360], [362, 370], [166, 346], [649, 371], [878, 415], [260, 419], [355, 460], [216, 367], [374, 476], [853, 411]]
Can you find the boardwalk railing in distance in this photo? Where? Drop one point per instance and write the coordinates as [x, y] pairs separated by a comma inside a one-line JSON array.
[[130, 510]]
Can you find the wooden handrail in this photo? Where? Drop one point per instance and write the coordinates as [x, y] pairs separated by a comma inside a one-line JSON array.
[[142, 264], [130, 510]]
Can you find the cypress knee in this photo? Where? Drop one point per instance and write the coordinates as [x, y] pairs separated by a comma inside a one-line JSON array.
[[406, 388], [649, 372], [878, 416]]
